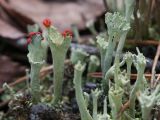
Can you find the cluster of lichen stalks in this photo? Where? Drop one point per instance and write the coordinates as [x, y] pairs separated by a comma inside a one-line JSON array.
[[117, 91]]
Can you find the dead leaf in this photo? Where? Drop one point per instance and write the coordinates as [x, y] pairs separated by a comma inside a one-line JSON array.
[[9, 70], [63, 14]]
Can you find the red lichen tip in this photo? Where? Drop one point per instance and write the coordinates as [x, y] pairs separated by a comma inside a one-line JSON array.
[[30, 35], [67, 33], [47, 22], [29, 40], [33, 33]]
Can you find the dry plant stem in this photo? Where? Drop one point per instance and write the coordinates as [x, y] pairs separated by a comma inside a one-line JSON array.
[[157, 80], [105, 4], [145, 42], [124, 107], [133, 76], [154, 65]]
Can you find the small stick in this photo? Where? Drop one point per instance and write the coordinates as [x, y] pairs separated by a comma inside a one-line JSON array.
[[124, 107], [154, 64], [44, 71], [133, 76], [143, 42]]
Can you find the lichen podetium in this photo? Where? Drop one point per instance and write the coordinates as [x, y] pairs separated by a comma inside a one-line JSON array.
[[59, 45]]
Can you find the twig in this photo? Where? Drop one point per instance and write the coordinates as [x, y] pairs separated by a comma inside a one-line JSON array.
[[22, 79], [154, 65], [44, 71], [133, 76], [157, 80], [105, 4], [143, 42], [124, 107]]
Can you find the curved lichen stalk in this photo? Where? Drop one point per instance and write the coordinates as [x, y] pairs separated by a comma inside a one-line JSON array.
[[140, 64], [78, 70], [36, 58], [59, 44]]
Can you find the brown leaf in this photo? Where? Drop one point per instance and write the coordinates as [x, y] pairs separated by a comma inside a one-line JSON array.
[[9, 31], [9, 70], [63, 14], [18, 18]]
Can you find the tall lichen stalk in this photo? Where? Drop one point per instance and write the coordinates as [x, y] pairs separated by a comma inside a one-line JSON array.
[[79, 68], [140, 64], [36, 58], [59, 44], [117, 25]]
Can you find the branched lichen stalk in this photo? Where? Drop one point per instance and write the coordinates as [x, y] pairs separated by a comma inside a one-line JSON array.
[[85, 115], [139, 63], [95, 95], [117, 25]]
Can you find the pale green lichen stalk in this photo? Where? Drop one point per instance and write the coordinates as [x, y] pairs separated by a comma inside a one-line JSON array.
[[36, 58], [78, 55], [102, 46], [95, 94], [115, 101], [59, 46], [78, 70], [129, 60], [93, 65], [129, 8], [116, 25], [147, 102], [140, 64]]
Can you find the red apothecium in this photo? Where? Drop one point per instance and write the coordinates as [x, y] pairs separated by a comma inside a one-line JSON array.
[[67, 33], [47, 22]]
